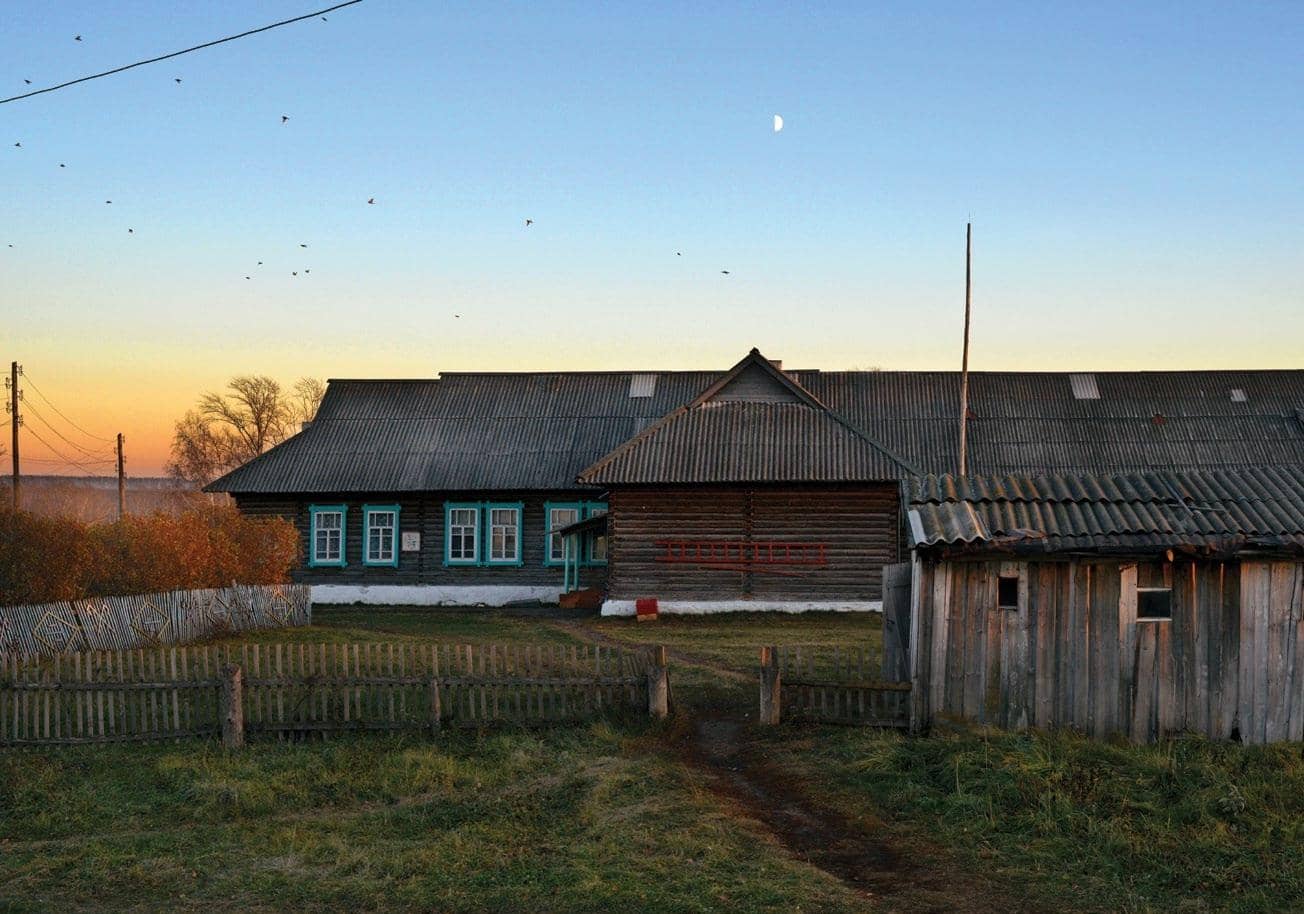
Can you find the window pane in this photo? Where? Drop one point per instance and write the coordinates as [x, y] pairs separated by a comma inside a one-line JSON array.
[[503, 534], [326, 536], [1154, 604], [559, 517], [1007, 596], [462, 532], [380, 535]]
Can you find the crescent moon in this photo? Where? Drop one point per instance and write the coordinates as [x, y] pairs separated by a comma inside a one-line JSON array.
[[778, 123]]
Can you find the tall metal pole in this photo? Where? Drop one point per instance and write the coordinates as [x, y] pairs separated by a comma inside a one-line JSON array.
[[14, 421], [964, 364], [122, 482]]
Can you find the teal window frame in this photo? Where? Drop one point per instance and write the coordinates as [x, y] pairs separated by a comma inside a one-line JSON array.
[[589, 512], [449, 508], [487, 522], [548, 508], [313, 512], [367, 511]]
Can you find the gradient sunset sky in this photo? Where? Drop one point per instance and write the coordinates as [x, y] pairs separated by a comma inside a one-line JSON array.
[[1134, 173]]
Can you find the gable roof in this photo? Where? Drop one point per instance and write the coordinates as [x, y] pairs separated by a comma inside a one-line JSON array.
[[755, 424], [1223, 511], [504, 431]]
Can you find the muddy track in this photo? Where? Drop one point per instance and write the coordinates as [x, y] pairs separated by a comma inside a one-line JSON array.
[[863, 855]]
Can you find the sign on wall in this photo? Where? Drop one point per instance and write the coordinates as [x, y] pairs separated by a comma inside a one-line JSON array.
[[411, 541]]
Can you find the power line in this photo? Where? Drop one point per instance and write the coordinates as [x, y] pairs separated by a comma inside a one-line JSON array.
[[46, 422], [61, 415], [198, 47], [68, 460]]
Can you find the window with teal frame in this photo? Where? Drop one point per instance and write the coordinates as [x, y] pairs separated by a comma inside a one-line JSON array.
[[380, 535], [597, 542], [502, 523], [462, 533], [326, 535], [556, 515]]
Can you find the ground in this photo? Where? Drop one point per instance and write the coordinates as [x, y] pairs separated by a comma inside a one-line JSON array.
[[704, 812]]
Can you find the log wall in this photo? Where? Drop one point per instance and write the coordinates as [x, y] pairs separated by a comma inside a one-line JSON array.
[[1229, 662], [857, 524]]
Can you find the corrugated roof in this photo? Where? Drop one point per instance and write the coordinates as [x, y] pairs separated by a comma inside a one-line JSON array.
[[539, 430], [1222, 510]]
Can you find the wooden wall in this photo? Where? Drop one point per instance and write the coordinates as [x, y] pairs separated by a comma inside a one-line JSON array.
[[1231, 660], [424, 512], [858, 524]]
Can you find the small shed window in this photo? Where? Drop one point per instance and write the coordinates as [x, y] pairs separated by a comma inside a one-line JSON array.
[[1154, 604], [1007, 592], [598, 543]]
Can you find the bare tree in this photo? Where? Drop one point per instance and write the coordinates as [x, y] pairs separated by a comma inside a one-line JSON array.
[[306, 397], [231, 428]]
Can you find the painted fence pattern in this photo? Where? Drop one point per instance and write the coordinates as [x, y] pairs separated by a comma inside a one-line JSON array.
[[829, 685], [173, 692], [150, 620]]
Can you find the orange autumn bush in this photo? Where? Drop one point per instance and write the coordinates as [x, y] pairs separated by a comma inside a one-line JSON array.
[[44, 559]]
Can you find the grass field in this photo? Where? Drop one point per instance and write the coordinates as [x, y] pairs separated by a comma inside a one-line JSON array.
[[631, 815]]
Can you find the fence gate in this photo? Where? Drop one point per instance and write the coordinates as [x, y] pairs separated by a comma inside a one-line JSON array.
[[896, 622]]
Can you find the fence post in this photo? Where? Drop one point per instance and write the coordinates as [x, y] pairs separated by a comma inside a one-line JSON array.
[[770, 711], [658, 684], [435, 711], [232, 707]]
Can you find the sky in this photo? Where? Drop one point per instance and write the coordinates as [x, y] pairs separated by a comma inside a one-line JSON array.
[[1134, 174]]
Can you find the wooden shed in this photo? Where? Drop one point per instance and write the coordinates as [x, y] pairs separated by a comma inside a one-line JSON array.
[[1138, 604]]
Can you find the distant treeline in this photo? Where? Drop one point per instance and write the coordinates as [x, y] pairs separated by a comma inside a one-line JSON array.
[[95, 498], [43, 559]]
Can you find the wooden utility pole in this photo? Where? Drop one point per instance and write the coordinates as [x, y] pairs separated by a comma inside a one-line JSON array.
[[15, 420], [964, 363], [122, 482]]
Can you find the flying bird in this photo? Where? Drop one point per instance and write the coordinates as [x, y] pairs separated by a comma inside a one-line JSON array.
[[529, 222], [260, 263], [28, 81], [131, 231], [246, 277], [679, 253], [294, 272], [303, 245], [77, 38], [18, 144], [61, 165], [108, 201], [284, 118], [306, 272], [177, 80], [371, 199], [725, 272]]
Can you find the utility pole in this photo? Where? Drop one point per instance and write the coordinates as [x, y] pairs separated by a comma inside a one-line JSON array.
[[15, 420], [122, 481], [964, 364]]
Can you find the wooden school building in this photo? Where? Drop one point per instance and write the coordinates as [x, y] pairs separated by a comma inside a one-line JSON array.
[[1141, 604], [755, 487]]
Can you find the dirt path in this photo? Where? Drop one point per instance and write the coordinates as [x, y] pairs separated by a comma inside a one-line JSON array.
[[867, 857], [578, 629]]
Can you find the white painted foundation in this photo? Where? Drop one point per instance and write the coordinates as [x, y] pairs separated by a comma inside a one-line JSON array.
[[705, 607], [432, 595]]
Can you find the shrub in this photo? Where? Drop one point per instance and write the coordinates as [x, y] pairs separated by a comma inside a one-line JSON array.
[[44, 559]]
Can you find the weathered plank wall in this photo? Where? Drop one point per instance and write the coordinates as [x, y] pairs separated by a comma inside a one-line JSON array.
[[1074, 654], [167, 693], [147, 620], [858, 524]]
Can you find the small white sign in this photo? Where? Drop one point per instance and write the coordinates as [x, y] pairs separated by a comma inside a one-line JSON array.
[[411, 541]]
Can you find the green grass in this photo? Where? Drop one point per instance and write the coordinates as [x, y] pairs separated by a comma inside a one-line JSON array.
[[569, 820], [607, 816], [1187, 825]]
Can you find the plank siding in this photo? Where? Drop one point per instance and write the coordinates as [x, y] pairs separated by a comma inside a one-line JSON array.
[[1229, 662], [425, 513], [858, 525]]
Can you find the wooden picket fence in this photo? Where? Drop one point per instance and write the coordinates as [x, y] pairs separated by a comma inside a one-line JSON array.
[[835, 685], [295, 689], [150, 620]]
